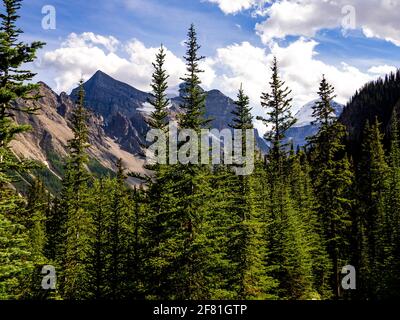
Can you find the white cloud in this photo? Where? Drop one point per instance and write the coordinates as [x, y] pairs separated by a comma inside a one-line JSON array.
[[382, 70], [90, 39], [84, 54], [79, 57], [376, 18], [299, 66], [235, 6]]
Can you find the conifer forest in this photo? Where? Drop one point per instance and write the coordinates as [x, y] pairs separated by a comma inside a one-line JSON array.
[[298, 227]]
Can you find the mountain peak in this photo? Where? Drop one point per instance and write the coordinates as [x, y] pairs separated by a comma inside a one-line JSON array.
[[101, 76], [101, 84]]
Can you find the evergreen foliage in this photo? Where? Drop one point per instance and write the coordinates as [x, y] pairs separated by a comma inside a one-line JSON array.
[[198, 231]]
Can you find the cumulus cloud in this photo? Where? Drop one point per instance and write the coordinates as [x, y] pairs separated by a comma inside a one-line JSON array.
[[299, 67], [90, 39], [231, 66], [235, 6], [376, 18], [79, 56], [382, 70]]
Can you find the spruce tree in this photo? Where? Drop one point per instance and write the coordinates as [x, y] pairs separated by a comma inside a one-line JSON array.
[[34, 219], [373, 185], [15, 261], [77, 249], [182, 250], [123, 266], [100, 209], [193, 95], [158, 186], [14, 54], [323, 112], [392, 221], [313, 271], [248, 245], [332, 179], [278, 108], [158, 118]]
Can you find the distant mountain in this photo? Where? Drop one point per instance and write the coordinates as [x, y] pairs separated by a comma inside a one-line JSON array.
[[124, 110], [51, 129], [120, 106], [303, 127], [116, 125]]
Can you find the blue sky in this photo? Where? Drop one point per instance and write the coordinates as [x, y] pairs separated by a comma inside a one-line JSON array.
[[154, 21], [166, 21], [239, 37]]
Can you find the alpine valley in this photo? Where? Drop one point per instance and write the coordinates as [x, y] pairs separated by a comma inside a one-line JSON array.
[[116, 124]]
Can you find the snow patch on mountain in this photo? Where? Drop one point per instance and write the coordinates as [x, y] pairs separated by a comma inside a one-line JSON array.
[[304, 115]]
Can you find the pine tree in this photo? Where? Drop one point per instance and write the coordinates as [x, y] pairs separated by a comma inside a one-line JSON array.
[[372, 186], [392, 221], [193, 96], [14, 249], [100, 209], [323, 112], [314, 271], [159, 100], [278, 108], [248, 245], [75, 256], [332, 179]]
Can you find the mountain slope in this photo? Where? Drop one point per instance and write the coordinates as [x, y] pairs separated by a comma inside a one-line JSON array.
[[376, 99], [116, 124], [51, 130], [124, 110], [120, 106], [303, 127]]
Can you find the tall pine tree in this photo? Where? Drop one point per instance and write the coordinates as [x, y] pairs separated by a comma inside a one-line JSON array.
[[14, 54], [332, 179], [78, 228]]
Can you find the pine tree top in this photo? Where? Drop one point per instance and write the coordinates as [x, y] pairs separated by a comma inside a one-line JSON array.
[[193, 96]]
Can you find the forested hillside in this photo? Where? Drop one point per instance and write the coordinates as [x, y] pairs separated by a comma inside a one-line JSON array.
[[195, 231], [379, 99]]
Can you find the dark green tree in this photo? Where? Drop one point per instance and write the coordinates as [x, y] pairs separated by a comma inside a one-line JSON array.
[[77, 248], [278, 108], [193, 95], [248, 245], [332, 178], [158, 118], [373, 183], [323, 112], [14, 248], [392, 221]]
